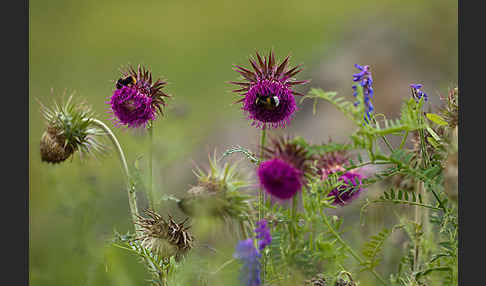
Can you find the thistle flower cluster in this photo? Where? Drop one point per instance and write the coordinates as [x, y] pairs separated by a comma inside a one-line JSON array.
[[137, 100], [70, 128], [268, 95], [363, 77], [250, 255]]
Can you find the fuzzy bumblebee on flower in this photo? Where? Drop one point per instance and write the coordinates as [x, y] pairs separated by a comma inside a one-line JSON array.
[[137, 100], [71, 127], [268, 90]]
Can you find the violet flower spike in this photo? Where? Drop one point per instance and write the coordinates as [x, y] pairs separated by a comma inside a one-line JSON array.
[[263, 234], [249, 255], [366, 81]]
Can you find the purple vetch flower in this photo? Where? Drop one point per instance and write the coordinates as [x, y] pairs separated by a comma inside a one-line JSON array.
[[267, 91], [417, 92], [249, 255], [366, 81], [263, 234], [282, 173], [136, 100]]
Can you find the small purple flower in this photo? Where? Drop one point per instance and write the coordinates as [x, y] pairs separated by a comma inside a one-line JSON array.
[[347, 192], [417, 92], [366, 81], [136, 100], [279, 178], [268, 94], [263, 234], [249, 255]]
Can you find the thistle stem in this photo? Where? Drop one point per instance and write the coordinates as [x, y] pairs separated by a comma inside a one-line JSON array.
[[293, 221], [151, 196], [132, 196], [261, 203]]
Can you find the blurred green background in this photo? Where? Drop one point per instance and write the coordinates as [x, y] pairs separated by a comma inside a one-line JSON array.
[[80, 45]]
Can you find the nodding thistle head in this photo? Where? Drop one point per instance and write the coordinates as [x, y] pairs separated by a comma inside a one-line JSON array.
[[137, 100], [164, 237], [70, 128], [333, 162], [318, 280], [282, 173], [268, 91], [218, 193]]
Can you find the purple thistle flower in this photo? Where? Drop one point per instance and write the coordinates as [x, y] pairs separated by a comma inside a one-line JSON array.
[[268, 94], [417, 93], [331, 163], [279, 178], [136, 100], [263, 234], [282, 174], [366, 81], [131, 107], [249, 255]]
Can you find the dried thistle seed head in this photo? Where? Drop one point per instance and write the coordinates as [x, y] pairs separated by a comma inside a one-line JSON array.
[[218, 193], [450, 112], [70, 128], [164, 236], [318, 280], [53, 148]]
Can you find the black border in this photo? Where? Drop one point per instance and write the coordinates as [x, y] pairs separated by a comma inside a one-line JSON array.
[[15, 143]]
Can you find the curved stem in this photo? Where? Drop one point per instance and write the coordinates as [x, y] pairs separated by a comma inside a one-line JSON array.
[[348, 248], [132, 196]]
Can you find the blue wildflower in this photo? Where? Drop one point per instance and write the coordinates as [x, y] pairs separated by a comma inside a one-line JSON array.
[[416, 92], [263, 233], [366, 81], [249, 255]]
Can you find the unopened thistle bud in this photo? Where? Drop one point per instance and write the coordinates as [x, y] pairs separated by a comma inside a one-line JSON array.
[[164, 237], [218, 193], [69, 129]]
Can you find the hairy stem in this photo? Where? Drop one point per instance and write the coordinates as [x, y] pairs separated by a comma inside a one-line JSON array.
[[132, 196], [261, 202]]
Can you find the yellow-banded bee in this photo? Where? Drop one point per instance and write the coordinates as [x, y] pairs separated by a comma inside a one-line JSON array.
[[128, 81], [267, 102]]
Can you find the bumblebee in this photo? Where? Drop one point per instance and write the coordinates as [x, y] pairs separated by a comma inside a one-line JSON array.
[[128, 81], [267, 102]]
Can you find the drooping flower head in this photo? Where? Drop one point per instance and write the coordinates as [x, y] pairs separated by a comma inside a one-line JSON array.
[[137, 100], [282, 173], [417, 93], [70, 128], [363, 77], [350, 189], [164, 237], [268, 95], [263, 234]]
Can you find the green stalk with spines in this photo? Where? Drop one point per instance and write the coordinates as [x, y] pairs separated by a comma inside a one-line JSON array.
[[151, 195]]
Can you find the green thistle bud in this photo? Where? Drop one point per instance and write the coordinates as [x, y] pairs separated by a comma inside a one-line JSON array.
[[164, 237], [69, 129], [218, 193]]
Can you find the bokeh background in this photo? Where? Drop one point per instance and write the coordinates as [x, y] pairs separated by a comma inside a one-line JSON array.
[[80, 46]]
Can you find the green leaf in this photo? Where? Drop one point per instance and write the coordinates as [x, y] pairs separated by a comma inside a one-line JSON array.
[[436, 119]]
